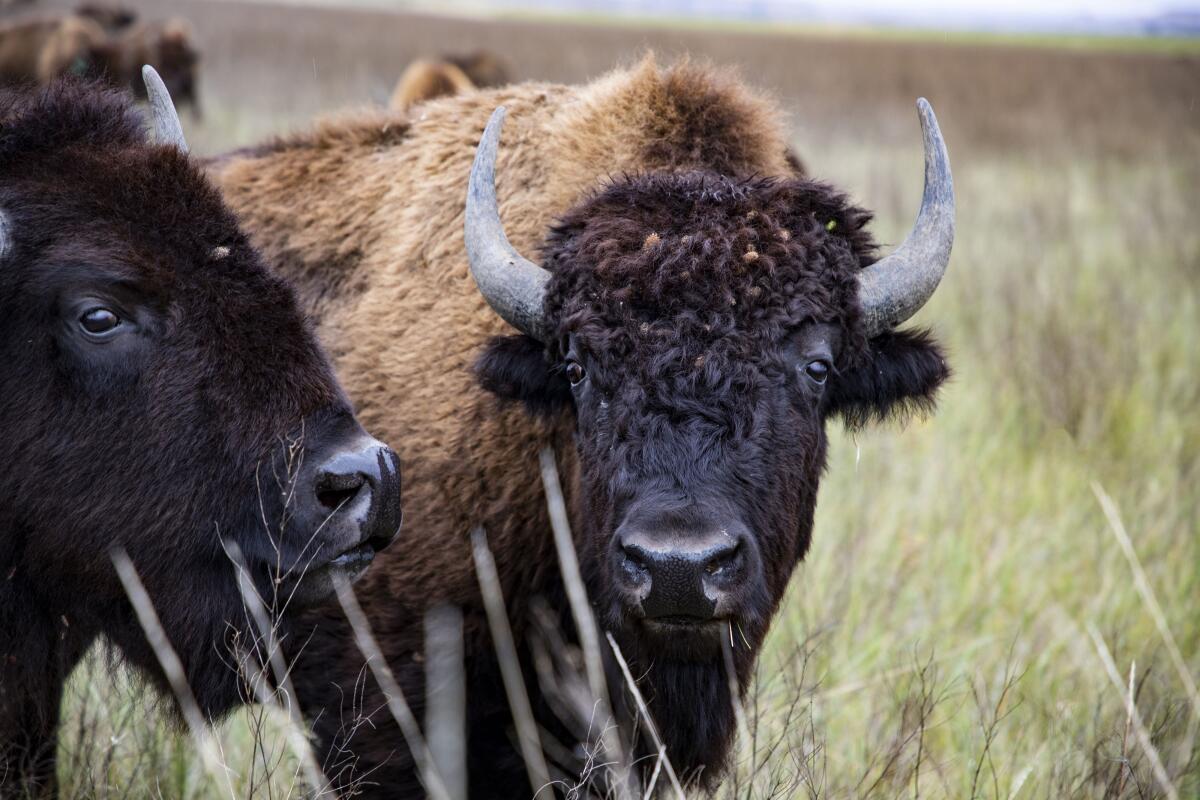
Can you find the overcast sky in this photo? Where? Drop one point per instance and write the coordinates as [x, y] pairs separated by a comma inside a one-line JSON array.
[[1100, 8], [1084, 15]]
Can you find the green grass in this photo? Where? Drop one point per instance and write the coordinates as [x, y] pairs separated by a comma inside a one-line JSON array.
[[971, 548]]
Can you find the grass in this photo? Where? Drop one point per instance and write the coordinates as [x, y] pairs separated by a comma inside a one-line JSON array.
[[946, 636]]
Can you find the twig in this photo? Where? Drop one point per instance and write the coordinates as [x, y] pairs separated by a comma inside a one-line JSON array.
[[397, 705], [1147, 593], [172, 667], [1156, 765], [295, 726], [585, 621], [446, 697], [647, 720], [1129, 706], [510, 667]]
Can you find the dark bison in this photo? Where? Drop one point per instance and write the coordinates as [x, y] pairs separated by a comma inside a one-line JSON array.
[[696, 315], [161, 393], [426, 79]]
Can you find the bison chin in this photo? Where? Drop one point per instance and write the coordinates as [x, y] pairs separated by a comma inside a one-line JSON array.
[[683, 674], [685, 682]]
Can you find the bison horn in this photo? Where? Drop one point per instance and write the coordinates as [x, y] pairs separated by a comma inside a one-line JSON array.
[[512, 285], [167, 129], [892, 289]]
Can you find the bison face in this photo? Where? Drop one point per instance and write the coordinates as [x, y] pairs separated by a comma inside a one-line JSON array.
[[703, 329], [160, 392]]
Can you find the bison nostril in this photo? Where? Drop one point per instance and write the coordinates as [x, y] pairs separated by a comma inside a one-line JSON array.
[[723, 561], [337, 490], [634, 562]]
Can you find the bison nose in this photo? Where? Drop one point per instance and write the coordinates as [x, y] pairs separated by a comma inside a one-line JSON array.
[[357, 488], [681, 577]]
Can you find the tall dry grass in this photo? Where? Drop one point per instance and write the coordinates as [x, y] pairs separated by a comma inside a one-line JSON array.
[[956, 629]]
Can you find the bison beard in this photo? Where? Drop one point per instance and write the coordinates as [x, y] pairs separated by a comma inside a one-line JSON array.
[[692, 292]]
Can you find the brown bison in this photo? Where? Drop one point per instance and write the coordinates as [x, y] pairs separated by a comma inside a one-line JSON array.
[[111, 17], [426, 79], [44, 48], [94, 44], [160, 393], [695, 316], [168, 46]]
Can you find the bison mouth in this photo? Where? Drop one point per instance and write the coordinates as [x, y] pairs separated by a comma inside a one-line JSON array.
[[682, 623], [317, 583], [681, 637]]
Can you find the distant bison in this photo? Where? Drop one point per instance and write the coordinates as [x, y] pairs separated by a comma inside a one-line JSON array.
[[695, 315], [169, 46], [161, 393], [96, 42], [44, 48], [426, 79], [110, 16]]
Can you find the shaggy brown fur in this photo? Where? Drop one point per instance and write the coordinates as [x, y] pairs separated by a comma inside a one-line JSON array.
[[365, 215], [426, 79], [485, 69]]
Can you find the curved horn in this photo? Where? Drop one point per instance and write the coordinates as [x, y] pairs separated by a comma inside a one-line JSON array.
[[167, 129], [512, 285], [892, 289]]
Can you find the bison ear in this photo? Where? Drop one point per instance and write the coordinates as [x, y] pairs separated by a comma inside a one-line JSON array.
[[898, 376], [515, 368]]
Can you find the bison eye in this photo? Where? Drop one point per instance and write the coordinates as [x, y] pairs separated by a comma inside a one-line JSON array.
[[575, 372], [817, 370], [99, 321]]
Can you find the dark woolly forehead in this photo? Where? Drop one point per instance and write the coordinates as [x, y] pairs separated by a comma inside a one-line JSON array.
[[77, 158], [65, 113], [707, 257]]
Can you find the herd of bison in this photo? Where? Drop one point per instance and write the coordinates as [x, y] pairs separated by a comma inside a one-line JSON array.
[[214, 368]]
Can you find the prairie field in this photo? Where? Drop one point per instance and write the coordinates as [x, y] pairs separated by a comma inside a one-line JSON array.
[[1003, 599]]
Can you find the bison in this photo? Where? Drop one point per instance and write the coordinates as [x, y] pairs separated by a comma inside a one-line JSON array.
[[95, 43], [690, 316], [160, 394], [111, 17], [426, 79], [169, 46], [44, 48]]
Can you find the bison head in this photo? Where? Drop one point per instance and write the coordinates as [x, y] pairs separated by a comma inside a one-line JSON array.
[[703, 328], [160, 392]]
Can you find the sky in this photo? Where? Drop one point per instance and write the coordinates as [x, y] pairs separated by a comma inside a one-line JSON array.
[[1049, 15]]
